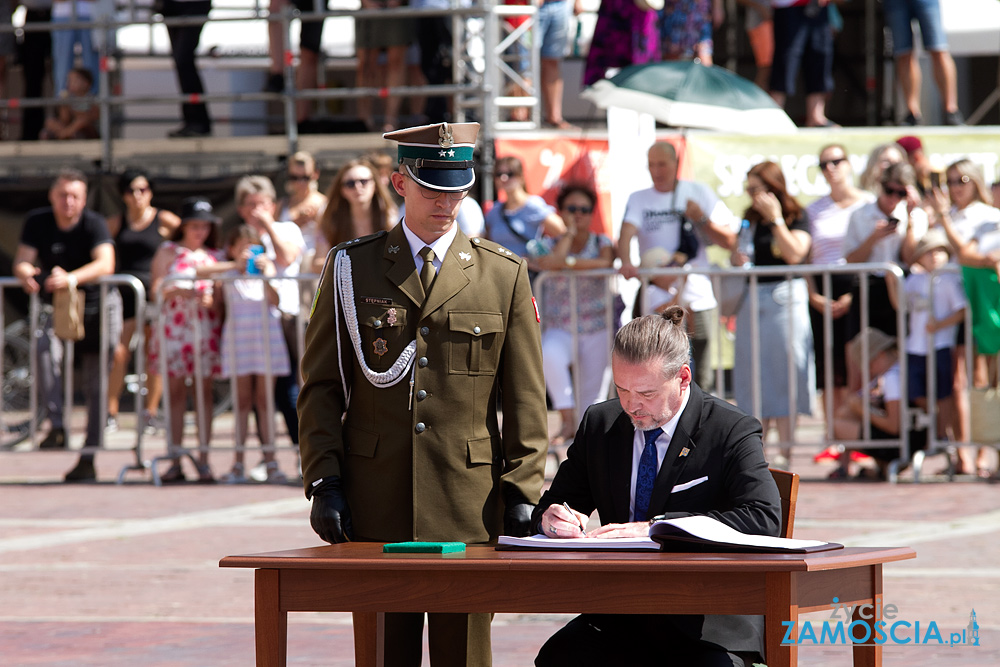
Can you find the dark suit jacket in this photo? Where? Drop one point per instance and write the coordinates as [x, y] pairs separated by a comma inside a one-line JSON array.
[[723, 444]]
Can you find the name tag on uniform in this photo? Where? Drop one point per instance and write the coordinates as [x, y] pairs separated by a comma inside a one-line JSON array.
[[376, 301]]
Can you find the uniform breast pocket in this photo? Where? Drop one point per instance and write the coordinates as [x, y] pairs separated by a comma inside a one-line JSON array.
[[475, 339], [383, 334]]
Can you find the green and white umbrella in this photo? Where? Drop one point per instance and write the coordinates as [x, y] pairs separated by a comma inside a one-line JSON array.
[[689, 94]]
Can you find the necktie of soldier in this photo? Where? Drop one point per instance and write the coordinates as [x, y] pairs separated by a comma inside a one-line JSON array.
[[646, 476], [428, 272]]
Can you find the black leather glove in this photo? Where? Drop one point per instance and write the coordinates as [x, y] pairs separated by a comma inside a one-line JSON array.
[[331, 517], [517, 515]]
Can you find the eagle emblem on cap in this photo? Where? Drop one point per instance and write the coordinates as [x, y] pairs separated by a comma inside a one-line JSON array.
[[446, 137]]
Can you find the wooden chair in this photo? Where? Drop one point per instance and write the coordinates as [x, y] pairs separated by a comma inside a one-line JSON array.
[[788, 489]]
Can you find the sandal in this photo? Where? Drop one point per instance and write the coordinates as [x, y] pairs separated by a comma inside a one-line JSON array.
[[205, 474], [174, 474]]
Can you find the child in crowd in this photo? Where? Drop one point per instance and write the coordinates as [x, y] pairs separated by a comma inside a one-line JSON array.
[[247, 344], [931, 319], [77, 118], [883, 396]]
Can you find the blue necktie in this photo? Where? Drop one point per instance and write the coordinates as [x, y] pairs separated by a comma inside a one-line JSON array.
[[646, 476]]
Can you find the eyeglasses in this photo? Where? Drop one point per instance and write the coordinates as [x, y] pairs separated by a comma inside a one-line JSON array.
[[434, 194], [582, 210], [894, 192], [298, 178], [504, 174], [835, 162], [955, 182], [355, 182], [139, 191]]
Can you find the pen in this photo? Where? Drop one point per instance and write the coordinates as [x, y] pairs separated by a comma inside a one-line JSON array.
[[568, 509]]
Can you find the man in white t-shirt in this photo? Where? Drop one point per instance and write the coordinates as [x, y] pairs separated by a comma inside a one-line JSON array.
[[675, 216], [256, 203]]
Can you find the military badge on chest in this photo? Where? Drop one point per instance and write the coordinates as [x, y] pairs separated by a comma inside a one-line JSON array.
[[381, 347]]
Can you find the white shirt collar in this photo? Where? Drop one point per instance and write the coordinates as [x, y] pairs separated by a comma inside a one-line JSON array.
[[440, 246]]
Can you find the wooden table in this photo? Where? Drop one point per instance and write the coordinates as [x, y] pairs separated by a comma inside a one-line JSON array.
[[358, 577]]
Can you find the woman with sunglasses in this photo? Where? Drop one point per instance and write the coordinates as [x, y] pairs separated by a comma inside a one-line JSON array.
[[358, 204], [138, 232], [578, 249], [303, 204], [521, 217], [828, 220], [884, 231], [971, 223], [780, 237]]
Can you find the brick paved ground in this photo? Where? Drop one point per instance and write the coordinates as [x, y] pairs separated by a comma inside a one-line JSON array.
[[109, 575]]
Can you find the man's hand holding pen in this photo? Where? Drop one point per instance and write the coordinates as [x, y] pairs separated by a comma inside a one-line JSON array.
[[563, 521]]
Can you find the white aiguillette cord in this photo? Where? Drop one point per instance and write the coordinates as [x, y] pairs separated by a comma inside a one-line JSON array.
[[344, 298]]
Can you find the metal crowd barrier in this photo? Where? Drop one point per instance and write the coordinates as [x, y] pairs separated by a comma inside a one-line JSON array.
[[37, 316], [478, 70], [174, 449], [910, 418]]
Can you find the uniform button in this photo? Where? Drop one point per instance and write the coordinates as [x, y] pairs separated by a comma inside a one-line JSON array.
[[378, 323], [421, 395], [476, 330], [424, 331], [420, 428], [422, 362]]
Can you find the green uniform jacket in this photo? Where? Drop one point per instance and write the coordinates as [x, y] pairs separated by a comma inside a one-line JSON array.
[[439, 467]]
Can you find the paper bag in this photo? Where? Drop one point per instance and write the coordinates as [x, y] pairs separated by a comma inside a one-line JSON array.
[[67, 313]]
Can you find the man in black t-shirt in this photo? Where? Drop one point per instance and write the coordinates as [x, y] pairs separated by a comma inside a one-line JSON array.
[[60, 246]]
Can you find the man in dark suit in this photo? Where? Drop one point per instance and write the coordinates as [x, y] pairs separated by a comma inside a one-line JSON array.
[[662, 449], [416, 335]]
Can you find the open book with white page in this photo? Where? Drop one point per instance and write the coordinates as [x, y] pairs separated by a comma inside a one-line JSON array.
[[689, 533]]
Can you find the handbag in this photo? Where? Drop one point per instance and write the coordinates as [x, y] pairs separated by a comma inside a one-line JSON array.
[[67, 313], [731, 293], [984, 406]]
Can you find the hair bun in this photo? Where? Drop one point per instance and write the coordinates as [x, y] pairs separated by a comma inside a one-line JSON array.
[[674, 315]]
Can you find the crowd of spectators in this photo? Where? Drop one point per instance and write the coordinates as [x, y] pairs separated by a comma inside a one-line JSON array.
[[217, 292], [786, 37]]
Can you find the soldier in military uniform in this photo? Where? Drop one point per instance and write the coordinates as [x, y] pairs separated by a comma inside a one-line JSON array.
[[416, 335]]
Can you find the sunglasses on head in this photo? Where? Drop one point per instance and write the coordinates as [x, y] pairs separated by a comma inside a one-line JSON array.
[[582, 210], [894, 192], [355, 182], [955, 182], [835, 162]]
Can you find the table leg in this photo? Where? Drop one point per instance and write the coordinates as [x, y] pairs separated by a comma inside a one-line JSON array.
[[870, 654], [270, 621], [780, 610], [369, 632]]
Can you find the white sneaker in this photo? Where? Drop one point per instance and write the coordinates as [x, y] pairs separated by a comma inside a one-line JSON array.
[[234, 476], [258, 473]]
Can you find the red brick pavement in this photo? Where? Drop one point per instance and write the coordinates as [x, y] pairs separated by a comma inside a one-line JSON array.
[[118, 575]]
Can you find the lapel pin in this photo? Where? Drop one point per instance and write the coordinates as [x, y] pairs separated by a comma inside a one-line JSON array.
[[465, 256], [393, 249], [684, 452]]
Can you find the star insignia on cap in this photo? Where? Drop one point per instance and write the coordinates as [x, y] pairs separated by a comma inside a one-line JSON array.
[[451, 153], [465, 256], [444, 153]]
